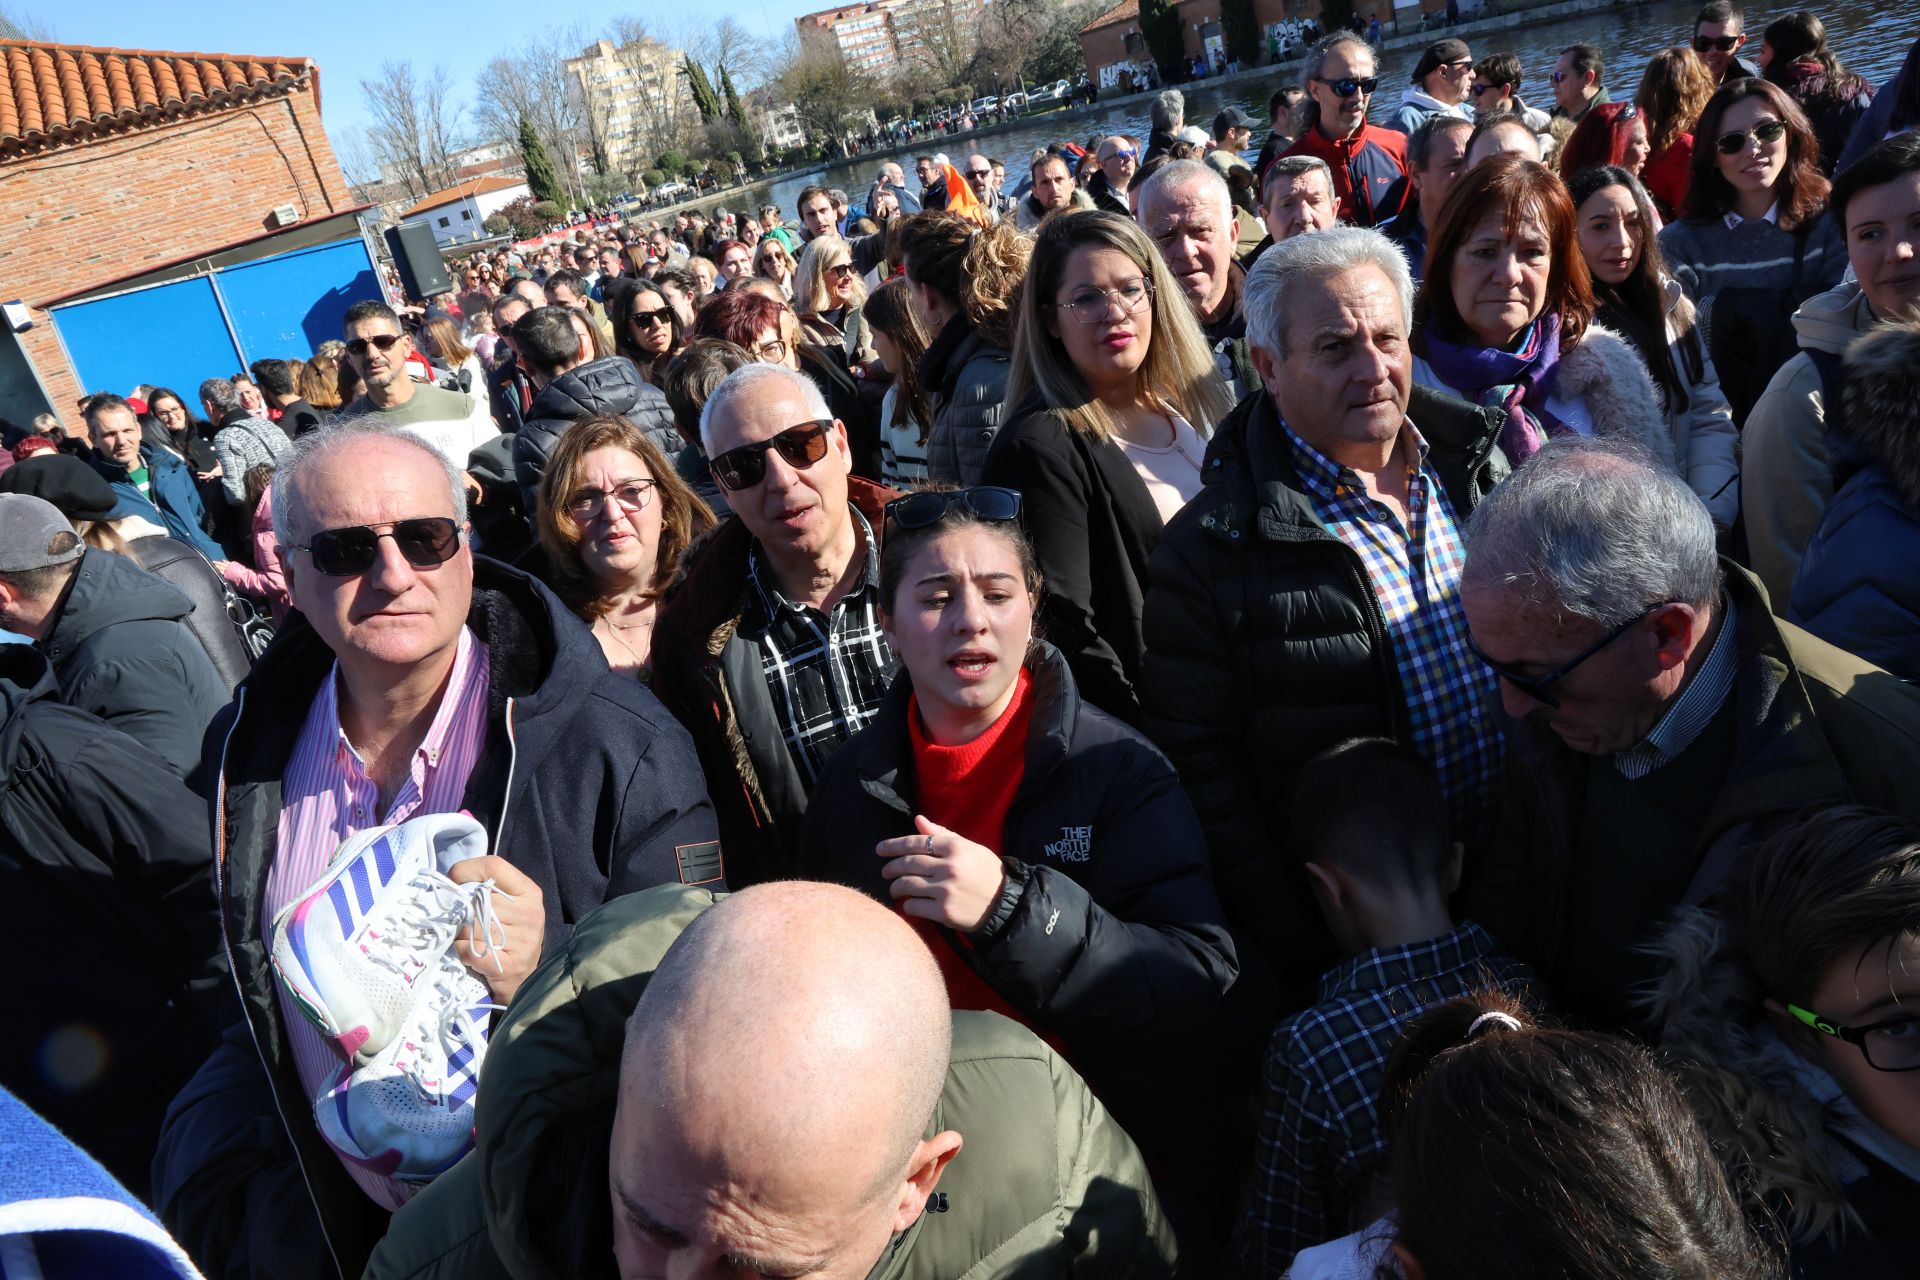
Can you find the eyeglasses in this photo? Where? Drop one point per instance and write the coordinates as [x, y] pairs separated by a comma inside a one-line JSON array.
[[1723, 44], [633, 495], [745, 467], [1559, 76], [1347, 86], [1763, 132], [1892, 1045], [1091, 306], [980, 173], [773, 351], [841, 270], [1465, 64], [987, 502], [1540, 688], [1479, 88], [381, 341], [349, 552], [1123, 153], [650, 318]]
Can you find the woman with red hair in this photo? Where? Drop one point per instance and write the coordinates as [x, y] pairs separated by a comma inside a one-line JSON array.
[[1612, 133]]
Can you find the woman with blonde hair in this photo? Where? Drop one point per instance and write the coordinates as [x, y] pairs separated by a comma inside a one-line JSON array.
[[441, 338], [1674, 90], [771, 261], [827, 295], [317, 382], [1114, 394], [614, 519]]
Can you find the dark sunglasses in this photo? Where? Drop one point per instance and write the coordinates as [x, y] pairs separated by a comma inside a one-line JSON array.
[[746, 466], [384, 341], [1347, 86], [1724, 44], [843, 270], [1732, 144], [1540, 688], [1479, 88], [650, 318], [980, 173], [349, 552], [986, 502]]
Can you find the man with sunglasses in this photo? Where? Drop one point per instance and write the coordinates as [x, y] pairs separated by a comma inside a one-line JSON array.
[[1719, 33], [1369, 163], [453, 422], [980, 180], [425, 679], [1576, 82], [770, 649], [1660, 717], [1495, 91], [1119, 160], [1439, 87]]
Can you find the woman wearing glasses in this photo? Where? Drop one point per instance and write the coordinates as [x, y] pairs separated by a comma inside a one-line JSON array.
[[1046, 853], [1754, 232], [1113, 396], [647, 329], [1797, 1015], [772, 261], [614, 520], [827, 294]]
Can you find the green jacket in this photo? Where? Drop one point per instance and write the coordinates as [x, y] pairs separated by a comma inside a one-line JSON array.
[[1046, 1184]]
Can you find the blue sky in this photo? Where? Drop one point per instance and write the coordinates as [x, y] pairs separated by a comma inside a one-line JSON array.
[[350, 38]]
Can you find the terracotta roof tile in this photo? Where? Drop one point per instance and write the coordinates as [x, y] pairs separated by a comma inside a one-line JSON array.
[[471, 187], [54, 94], [1126, 11]]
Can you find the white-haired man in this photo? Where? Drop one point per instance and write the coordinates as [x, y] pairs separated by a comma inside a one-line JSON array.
[[772, 653], [1187, 210], [1334, 494]]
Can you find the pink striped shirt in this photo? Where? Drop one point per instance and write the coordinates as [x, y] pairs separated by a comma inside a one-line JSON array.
[[326, 797]]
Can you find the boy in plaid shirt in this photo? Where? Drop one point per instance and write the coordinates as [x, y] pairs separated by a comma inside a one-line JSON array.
[[1371, 823]]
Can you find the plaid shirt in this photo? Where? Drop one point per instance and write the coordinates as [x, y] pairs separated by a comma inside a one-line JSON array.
[[1415, 571], [1319, 1140], [826, 673]]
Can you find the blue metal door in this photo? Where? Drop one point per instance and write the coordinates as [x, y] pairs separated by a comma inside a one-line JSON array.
[[171, 335], [285, 306]]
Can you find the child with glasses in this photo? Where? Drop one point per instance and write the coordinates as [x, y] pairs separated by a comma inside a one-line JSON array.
[[1797, 1010]]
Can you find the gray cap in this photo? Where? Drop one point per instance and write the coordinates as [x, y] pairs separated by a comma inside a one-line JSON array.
[[33, 534]]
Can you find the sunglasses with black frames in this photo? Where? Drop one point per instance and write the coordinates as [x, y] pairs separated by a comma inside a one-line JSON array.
[[991, 503], [347, 552], [1734, 142], [746, 466], [1347, 86]]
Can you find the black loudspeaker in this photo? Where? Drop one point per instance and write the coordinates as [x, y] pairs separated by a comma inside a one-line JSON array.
[[422, 272]]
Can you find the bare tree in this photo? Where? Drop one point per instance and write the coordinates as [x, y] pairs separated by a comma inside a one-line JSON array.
[[830, 95], [415, 125], [358, 161], [937, 41], [17, 24], [532, 84], [665, 117]]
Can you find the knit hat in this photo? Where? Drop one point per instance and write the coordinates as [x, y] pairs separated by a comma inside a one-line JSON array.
[[1439, 54], [72, 487]]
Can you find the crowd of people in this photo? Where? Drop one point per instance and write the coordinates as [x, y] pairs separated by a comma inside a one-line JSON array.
[[1349, 715]]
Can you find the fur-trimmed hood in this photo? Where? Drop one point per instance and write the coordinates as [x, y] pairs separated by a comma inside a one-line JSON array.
[[1606, 371]]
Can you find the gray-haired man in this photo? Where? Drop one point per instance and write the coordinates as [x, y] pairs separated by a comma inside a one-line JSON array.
[[1297, 200], [1662, 717], [1310, 593]]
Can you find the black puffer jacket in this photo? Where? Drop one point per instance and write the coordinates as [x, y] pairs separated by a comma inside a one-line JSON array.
[[608, 385], [104, 865], [966, 380], [1266, 644]]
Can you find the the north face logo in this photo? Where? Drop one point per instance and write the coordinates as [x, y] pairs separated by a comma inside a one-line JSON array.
[[1074, 845]]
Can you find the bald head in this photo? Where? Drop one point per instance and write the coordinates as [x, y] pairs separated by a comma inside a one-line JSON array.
[[778, 1076]]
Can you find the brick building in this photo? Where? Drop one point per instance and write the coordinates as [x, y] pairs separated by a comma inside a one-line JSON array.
[[174, 213], [1113, 43]]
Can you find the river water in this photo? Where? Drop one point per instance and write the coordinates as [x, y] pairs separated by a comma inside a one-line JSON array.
[[1870, 38]]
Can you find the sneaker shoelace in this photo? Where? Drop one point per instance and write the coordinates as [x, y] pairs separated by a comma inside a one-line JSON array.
[[431, 916], [456, 1025]]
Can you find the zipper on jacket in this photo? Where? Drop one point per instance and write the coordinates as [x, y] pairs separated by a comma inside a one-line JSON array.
[[506, 792], [233, 969]]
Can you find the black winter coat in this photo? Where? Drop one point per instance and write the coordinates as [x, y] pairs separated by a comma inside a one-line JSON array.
[[610, 384], [1266, 644], [1108, 933], [1093, 525], [966, 381], [583, 781], [106, 892]]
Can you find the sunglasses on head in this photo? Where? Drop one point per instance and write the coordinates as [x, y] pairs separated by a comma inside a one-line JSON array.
[[1764, 131], [1724, 44], [382, 341], [351, 551], [746, 466], [987, 502], [1347, 86]]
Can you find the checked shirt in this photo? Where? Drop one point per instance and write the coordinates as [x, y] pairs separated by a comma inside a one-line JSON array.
[[825, 672], [1415, 572], [1318, 1143]]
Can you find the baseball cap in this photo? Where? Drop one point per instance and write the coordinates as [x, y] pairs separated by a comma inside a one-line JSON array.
[[34, 535], [1438, 54], [1233, 118]]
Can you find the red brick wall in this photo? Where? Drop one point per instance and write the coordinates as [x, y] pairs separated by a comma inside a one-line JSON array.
[[80, 216]]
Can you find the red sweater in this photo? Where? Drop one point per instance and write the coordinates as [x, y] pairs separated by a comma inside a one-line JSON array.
[[1667, 174], [968, 790]]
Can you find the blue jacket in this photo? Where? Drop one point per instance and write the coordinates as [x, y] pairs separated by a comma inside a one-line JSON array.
[[176, 506]]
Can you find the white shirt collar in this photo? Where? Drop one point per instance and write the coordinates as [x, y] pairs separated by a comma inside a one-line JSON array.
[[1771, 215]]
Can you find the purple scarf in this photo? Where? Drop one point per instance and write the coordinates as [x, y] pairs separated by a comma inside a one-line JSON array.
[[1519, 381]]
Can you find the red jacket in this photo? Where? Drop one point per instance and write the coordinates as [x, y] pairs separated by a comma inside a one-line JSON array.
[[1369, 171], [1667, 174]]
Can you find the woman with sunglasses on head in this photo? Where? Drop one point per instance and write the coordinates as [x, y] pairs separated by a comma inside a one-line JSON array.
[[1755, 231], [1112, 398], [1638, 300], [772, 261], [1795, 1015], [1613, 133], [1794, 55], [1673, 91], [1045, 852], [1505, 317], [646, 328], [614, 520]]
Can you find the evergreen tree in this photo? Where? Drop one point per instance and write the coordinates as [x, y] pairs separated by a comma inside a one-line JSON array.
[[703, 99], [541, 180], [736, 110]]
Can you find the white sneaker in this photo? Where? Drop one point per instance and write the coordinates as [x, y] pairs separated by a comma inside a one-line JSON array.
[[408, 1114], [350, 950]]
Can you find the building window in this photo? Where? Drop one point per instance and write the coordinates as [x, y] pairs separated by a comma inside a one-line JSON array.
[[445, 222], [466, 215]]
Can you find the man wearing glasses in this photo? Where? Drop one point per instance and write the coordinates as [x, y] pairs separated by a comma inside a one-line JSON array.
[[770, 650], [453, 422], [425, 680], [1119, 158], [979, 176], [1440, 81], [1576, 82], [1661, 718], [1369, 163], [1719, 32]]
